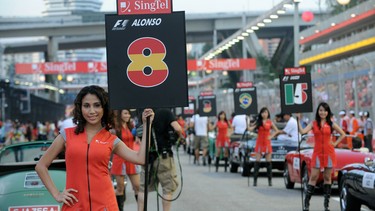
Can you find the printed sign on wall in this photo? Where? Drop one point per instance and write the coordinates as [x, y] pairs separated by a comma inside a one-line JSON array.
[[146, 60]]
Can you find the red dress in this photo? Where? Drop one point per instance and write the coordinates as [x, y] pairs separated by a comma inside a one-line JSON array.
[[87, 170], [263, 144], [324, 152], [119, 165], [222, 139]]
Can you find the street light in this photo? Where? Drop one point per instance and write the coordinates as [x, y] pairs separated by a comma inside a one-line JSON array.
[[343, 2]]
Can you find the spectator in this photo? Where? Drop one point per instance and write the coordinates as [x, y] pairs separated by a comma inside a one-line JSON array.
[[162, 165], [290, 131], [353, 129], [239, 124], [201, 126], [68, 122], [88, 148], [368, 128]]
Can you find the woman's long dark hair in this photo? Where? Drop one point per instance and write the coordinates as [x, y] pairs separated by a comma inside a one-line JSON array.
[[225, 118], [328, 118], [107, 119], [260, 119], [119, 121]]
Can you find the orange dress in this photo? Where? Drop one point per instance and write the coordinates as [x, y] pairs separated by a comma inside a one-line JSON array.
[[87, 170], [121, 166], [222, 139], [263, 144], [324, 155]]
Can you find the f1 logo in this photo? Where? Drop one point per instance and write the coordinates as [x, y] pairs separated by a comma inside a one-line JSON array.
[[297, 95], [120, 25]]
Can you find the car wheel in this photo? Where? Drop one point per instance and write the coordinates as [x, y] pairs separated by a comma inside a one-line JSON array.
[[233, 167], [305, 178], [246, 170], [288, 184], [347, 201]]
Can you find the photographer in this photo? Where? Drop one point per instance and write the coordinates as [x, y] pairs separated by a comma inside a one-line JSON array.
[[161, 162]]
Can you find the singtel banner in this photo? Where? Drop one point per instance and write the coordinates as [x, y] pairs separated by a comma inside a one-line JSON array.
[[222, 64], [61, 68]]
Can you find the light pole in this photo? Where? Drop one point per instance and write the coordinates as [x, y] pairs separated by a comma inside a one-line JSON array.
[[296, 33], [2, 104]]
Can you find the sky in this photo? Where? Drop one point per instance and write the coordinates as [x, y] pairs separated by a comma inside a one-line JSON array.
[[9, 8]]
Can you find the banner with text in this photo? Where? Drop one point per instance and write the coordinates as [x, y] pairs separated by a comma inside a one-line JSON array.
[[222, 64], [140, 7], [61, 68]]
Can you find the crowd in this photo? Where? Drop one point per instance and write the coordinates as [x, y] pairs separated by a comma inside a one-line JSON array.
[[15, 131]]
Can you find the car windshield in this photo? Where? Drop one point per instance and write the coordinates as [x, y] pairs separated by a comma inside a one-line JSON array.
[[24, 152]]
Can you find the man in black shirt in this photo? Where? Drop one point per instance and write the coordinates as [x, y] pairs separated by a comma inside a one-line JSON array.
[[161, 164]]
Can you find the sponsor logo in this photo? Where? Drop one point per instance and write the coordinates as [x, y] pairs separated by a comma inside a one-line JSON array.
[[120, 25], [147, 22], [101, 142]]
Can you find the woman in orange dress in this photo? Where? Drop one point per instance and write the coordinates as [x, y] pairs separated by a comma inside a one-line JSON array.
[[120, 167], [222, 139], [263, 143], [324, 156], [88, 147]]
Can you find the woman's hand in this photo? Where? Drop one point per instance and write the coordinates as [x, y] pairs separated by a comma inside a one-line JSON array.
[[66, 197], [148, 112]]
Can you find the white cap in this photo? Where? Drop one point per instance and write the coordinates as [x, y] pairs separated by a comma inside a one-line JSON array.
[[351, 112], [360, 113], [342, 113]]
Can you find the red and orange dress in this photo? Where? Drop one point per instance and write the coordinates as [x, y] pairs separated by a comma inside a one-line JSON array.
[[121, 166], [222, 139], [324, 155], [87, 170], [263, 144]]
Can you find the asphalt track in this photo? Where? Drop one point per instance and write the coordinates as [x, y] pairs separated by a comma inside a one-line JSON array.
[[206, 190]]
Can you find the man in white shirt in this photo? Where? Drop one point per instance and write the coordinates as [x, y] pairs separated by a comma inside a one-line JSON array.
[[67, 123], [290, 131], [239, 124], [200, 137]]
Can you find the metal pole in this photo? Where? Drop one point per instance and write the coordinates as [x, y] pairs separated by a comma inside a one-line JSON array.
[[246, 73], [296, 35], [2, 105], [148, 137]]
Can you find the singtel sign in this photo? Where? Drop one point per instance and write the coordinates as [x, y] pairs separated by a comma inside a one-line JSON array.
[[126, 7]]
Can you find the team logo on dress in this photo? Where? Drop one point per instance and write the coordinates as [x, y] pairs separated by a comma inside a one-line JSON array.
[[245, 100]]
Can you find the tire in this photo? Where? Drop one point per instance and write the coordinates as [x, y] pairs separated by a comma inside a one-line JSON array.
[[246, 170], [347, 201], [234, 167], [288, 183]]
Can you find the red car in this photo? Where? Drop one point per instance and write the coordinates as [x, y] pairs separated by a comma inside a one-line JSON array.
[[297, 167]]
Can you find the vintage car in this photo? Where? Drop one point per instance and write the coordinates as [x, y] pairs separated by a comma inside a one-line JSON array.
[[357, 186], [20, 186], [297, 167], [242, 153]]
